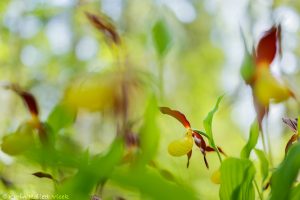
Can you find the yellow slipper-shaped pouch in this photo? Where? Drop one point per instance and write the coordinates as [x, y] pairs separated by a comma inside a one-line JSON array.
[[181, 146]]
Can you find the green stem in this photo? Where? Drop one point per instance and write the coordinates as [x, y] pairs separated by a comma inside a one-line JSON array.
[[161, 78], [264, 141], [257, 188], [218, 153], [269, 142]]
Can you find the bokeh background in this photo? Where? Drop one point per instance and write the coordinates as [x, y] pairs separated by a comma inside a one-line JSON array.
[[44, 45]]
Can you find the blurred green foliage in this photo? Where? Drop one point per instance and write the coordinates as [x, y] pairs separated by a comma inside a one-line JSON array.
[[252, 141], [237, 179], [284, 176]]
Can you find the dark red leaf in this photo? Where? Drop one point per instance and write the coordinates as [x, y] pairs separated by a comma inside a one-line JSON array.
[[42, 175], [189, 155], [291, 123], [176, 114], [267, 46], [103, 25], [293, 139]]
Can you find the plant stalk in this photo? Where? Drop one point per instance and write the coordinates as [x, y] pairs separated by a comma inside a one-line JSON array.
[[218, 153], [269, 141], [161, 78], [257, 188]]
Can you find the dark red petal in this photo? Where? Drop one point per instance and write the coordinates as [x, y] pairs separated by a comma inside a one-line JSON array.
[[293, 139], [27, 98], [104, 26], [267, 46], [205, 161], [200, 142], [30, 102], [176, 114], [189, 155], [221, 151], [210, 149]]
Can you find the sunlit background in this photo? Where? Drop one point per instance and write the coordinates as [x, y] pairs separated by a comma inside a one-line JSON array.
[[45, 45]]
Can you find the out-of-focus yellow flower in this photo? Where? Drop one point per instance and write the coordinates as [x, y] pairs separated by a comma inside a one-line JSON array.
[[94, 92], [267, 88], [19, 141], [182, 146], [216, 177]]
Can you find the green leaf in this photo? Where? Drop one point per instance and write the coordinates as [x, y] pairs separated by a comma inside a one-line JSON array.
[[207, 123], [236, 179], [60, 117], [161, 37], [92, 171], [248, 66], [149, 136], [285, 175], [264, 164], [253, 137], [295, 193], [151, 184]]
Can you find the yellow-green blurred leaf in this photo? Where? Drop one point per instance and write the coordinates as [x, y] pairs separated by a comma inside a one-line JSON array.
[[283, 178], [207, 123], [253, 137], [161, 37], [151, 184], [236, 179], [60, 117], [149, 136], [264, 163]]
